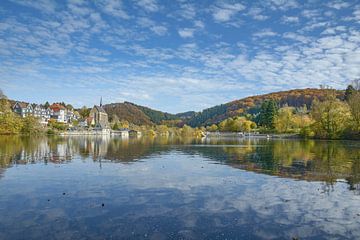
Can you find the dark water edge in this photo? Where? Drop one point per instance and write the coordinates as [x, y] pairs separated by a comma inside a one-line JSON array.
[[161, 188]]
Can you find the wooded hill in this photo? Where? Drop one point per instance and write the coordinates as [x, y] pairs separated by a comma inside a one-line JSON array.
[[141, 115], [251, 105]]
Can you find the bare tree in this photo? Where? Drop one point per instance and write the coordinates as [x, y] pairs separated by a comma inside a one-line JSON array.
[[356, 84], [2, 95]]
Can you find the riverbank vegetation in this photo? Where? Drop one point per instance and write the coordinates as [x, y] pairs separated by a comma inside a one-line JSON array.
[[311, 113], [327, 118], [11, 123]]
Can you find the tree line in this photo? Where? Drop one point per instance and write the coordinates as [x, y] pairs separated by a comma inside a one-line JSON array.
[[328, 117]]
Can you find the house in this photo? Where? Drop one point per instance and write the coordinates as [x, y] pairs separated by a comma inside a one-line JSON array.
[[23, 109], [58, 113], [70, 116], [99, 118], [41, 112], [35, 110]]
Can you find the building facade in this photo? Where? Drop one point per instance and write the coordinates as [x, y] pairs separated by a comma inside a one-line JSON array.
[[23, 109], [58, 113], [55, 111], [99, 118]]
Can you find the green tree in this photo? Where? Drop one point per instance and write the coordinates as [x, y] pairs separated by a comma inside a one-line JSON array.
[[10, 123], [69, 107], [267, 114], [84, 112], [47, 104], [31, 125], [212, 128], [349, 92], [283, 121], [354, 104], [115, 126], [331, 117]]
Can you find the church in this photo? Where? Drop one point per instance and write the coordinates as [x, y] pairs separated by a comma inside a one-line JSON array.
[[99, 118]]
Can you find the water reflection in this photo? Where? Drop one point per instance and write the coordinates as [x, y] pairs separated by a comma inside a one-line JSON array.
[[326, 161], [161, 188]]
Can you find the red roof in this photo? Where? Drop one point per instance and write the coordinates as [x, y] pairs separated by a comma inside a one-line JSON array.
[[57, 107]]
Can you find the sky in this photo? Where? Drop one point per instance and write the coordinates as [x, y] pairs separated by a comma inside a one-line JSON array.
[[174, 55]]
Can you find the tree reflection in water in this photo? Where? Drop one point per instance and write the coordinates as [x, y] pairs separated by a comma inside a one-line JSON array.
[[326, 161]]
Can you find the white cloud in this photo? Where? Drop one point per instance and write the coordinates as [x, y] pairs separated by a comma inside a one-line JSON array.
[[187, 11], [114, 8], [338, 4], [283, 4], [290, 19], [186, 32], [152, 25], [225, 12], [256, 13], [159, 30], [199, 24], [296, 37], [42, 5], [148, 5], [265, 33]]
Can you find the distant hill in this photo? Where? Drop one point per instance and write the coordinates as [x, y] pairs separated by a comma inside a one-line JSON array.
[[141, 115], [294, 98], [186, 115], [155, 116], [127, 112]]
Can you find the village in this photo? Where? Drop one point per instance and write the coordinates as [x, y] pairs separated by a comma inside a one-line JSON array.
[[97, 123]]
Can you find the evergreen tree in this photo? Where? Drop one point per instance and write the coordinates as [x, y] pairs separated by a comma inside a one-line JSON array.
[[47, 104], [267, 114], [348, 92]]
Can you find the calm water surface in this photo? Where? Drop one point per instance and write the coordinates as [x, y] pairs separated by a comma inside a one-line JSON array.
[[112, 188]]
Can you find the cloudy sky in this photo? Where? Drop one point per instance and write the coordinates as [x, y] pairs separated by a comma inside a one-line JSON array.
[[174, 55]]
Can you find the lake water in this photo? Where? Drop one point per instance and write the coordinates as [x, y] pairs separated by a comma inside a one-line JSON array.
[[112, 188]]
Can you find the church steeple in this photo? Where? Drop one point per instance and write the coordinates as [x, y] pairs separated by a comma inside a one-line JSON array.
[[101, 102]]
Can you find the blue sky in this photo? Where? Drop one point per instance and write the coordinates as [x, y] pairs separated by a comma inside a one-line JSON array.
[[174, 55]]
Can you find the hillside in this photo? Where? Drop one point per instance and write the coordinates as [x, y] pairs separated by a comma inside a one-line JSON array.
[[155, 116], [294, 98], [141, 115], [127, 112]]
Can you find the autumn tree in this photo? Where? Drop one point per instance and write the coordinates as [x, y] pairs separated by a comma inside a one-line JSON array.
[[237, 124], [212, 128], [31, 125], [124, 124], [331, 117], [162, 130], [187, 131], [10, 123], [354, 104], [284, 120], [84, 112]]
